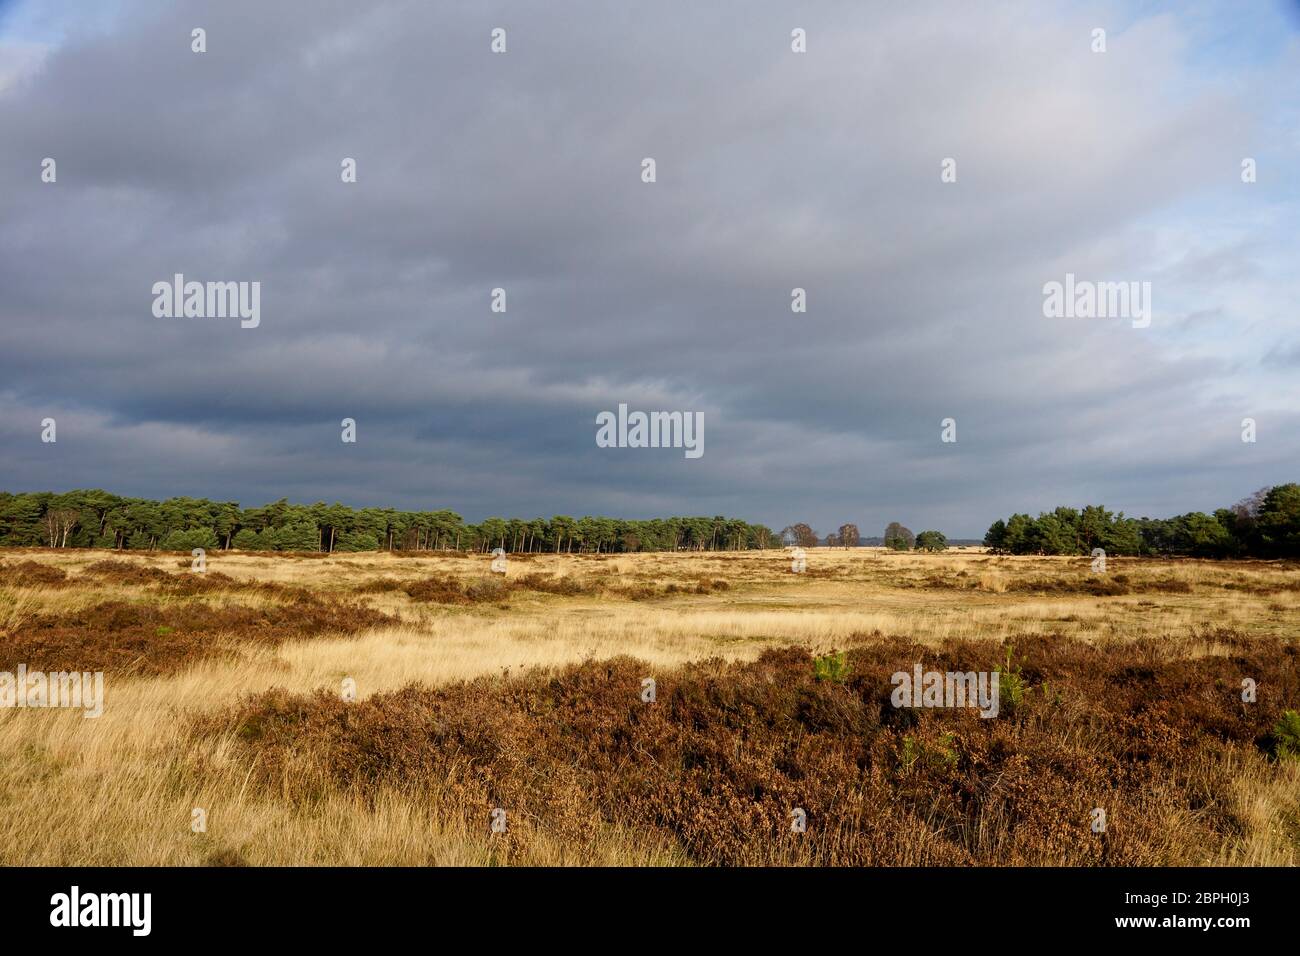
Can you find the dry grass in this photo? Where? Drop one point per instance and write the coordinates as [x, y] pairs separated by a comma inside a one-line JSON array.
[[120, 789]]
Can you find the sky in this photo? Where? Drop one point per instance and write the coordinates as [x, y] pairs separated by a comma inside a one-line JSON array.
[[774, 170]]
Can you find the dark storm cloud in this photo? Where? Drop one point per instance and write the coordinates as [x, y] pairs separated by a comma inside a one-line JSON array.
[[775, 170]]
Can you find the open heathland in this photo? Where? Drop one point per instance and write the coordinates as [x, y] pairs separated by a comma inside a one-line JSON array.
[[524, 698]]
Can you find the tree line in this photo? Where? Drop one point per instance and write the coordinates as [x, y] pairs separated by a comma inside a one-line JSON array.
[[97, 519], [1265, 524], [896, 537]]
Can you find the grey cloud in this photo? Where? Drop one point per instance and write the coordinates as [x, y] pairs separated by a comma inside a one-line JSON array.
[[522, 171]]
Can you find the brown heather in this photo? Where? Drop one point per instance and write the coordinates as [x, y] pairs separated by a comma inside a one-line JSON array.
[[120, 638], [718, 762], [31, 574]]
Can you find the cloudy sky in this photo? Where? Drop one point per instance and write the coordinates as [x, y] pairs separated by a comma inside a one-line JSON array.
[[775, 170]]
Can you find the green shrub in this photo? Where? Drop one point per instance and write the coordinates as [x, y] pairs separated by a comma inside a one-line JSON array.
[[930, 756], [1286, 735], [909, 753], [1012, 686], [833, 667]]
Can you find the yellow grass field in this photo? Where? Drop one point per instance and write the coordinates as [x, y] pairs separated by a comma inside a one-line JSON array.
[[122, 789]]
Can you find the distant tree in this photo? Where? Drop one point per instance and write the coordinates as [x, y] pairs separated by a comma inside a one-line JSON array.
[[1019, 535], [800, 534], [849, 536], [357, 541], [245, 540], [1248, 508], [832, 540], [931, 541], [1278, 521], [995, 538], [20, 519], [338, 519], [1203, 535], [494, 531], [563, 528], [1122, 536], [301, 535], [1053, 536], [898, 537], [367, 524], [225, 518], [59, 523]]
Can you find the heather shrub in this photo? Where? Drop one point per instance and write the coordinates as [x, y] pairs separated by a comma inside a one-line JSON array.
[[717, 763]]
